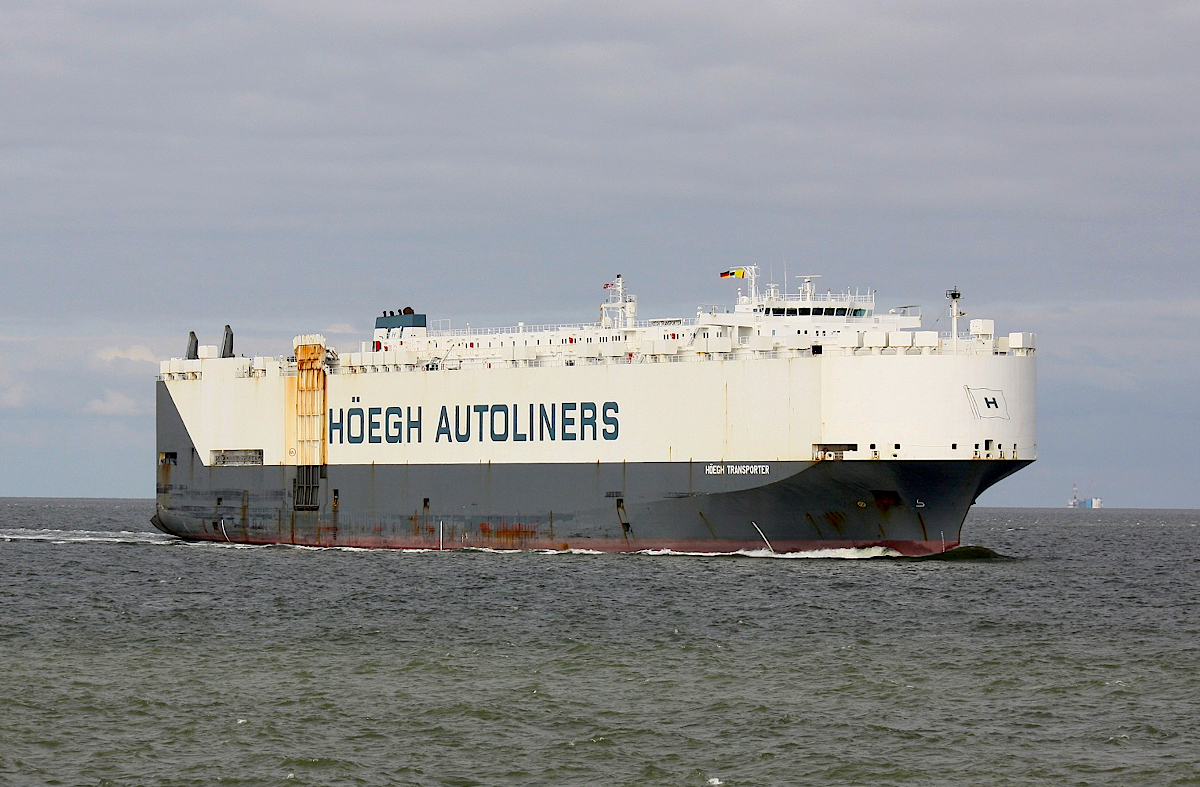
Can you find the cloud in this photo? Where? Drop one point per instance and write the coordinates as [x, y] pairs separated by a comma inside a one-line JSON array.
[[114, 403], [14, 392], [287, 164], [139, 352], [1113, 345], [13, 395]]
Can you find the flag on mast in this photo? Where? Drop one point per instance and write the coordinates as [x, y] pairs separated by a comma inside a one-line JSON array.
[[734, 273]]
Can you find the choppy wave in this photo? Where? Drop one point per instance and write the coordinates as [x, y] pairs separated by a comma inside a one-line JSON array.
[[966, 553], [128, 663]]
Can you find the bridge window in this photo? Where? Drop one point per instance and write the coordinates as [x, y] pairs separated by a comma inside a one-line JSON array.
[[840, 313]]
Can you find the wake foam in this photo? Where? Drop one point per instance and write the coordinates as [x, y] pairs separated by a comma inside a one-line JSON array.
[[86, 536], [54, 536], [837, 554]]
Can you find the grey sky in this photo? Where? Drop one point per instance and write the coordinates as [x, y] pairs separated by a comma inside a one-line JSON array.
[[298, 166]]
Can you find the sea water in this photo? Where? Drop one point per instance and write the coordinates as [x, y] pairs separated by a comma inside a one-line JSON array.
[[1066, 651]]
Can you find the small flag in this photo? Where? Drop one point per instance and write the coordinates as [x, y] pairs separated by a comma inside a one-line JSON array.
[[610, 285], [737, 273]]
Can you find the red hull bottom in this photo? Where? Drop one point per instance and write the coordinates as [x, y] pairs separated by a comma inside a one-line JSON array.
[[332, 538]]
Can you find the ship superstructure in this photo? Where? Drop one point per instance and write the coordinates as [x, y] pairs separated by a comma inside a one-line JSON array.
[[789, 420]]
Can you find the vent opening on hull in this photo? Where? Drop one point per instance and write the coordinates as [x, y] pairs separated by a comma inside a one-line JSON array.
[[307, 488], [236, 457]]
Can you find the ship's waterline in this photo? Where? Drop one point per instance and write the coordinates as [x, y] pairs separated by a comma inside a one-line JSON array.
[[794, 421]]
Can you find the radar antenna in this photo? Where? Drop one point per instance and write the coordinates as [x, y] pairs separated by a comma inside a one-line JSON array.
[[807, 289]]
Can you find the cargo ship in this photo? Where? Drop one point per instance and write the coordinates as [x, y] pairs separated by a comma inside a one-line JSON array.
[[1083, 502], [790, 420]]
